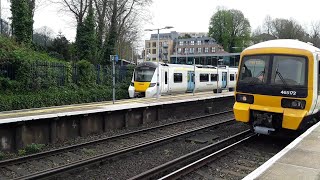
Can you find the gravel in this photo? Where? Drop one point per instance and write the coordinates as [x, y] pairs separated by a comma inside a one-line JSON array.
[[136, 163], [103, 147], [241, 161]]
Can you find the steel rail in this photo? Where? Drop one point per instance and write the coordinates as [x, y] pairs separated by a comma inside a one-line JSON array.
[[192, 159], [103, 157], [69, 148]]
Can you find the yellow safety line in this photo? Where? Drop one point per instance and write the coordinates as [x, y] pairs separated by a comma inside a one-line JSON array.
[[99, 104]]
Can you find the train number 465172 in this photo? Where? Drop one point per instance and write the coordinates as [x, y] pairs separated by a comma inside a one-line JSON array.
[[292, 93]]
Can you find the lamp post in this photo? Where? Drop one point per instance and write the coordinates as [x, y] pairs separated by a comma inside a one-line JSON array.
[[158, 53]]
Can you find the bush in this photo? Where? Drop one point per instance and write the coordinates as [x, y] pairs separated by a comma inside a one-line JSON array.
[[39, 80], [61, 96], [86, 73]]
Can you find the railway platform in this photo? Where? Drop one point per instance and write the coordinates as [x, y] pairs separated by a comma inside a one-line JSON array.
[[299, 160], [49, 125]]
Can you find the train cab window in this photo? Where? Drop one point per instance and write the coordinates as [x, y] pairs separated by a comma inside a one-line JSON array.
[[177, 77], [166, 78], [231, 77], [214, 77], [289, 70], [204, 77]]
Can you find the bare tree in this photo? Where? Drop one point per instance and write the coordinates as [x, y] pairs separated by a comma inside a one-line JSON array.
[[77, 7], [287, 29], [267, 24], [314, 33], [43, 36]]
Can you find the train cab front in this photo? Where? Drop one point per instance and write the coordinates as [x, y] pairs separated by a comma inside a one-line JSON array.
[[272, 93], [142, 84]]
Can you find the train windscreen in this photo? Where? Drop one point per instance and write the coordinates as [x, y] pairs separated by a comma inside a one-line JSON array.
[[274, 70], [143, 74]]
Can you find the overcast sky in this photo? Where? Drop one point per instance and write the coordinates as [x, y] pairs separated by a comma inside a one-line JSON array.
[[189, 15]]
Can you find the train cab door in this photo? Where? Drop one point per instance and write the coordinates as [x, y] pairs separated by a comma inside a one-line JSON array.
[[190, 79], [165, 82], [224, 80]]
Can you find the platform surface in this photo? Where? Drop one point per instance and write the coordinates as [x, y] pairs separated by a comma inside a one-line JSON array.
[[300, 160], [77, 109]]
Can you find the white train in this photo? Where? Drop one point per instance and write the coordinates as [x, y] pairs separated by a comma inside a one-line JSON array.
[[178, 78]]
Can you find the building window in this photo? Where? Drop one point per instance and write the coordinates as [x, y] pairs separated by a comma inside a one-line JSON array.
[[177, 77], [160, 44], [181, 43], [154, 44], [214, 77], [179, 50], [213, 49], [231, 77], [153, 59], [148, 51], [204, 77], [154, 51], [186, 50], [199, 50], [148, 45], [192, 43], [191, 50], [199, 43], [206, 50]]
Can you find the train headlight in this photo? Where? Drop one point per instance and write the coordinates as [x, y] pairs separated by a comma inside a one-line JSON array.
[[293, 103], [244, 98], [152, 84], [132, 84]]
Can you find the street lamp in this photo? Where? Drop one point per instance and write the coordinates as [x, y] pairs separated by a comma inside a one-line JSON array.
[[158, 54]]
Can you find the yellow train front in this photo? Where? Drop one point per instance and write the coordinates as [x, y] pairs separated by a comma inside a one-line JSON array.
[[277, 88]]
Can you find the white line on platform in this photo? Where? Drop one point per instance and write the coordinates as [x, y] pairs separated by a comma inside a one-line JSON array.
[[106, 108], [256, 173]]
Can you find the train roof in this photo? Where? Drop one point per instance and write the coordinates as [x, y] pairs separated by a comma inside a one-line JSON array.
[[154, 65], [285, 43]]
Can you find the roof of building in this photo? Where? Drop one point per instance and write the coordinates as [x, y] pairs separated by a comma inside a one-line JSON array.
[[197, 39]]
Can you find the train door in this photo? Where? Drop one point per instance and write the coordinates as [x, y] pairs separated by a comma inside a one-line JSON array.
[[190, 81], [165, 82], [224, 79]]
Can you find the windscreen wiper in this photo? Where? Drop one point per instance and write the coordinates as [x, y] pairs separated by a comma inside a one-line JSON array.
[[281, 78]]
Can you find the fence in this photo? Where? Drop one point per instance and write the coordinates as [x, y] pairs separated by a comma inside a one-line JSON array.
[[57, 73]]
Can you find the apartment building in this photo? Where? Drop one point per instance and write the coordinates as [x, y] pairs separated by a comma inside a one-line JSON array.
[[202, 50], [166, 46]]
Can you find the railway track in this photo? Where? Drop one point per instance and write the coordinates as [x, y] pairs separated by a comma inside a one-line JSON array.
[[240, 155], [220, 146], [37, 166]]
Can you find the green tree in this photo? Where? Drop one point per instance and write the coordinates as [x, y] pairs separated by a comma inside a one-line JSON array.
[[111, 39], [22, 20], [86, 37], [230, 28], [60, 48]]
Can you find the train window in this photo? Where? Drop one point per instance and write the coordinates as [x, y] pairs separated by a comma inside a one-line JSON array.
[[289, 70], [204, 77], [214, 77], [166, 77], [231, 77], [177, 77]]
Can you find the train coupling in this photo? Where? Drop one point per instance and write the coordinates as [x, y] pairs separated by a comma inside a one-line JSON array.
[[263, 130]]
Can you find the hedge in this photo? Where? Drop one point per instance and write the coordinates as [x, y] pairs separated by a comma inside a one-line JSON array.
[[38, 80], [60, 96]]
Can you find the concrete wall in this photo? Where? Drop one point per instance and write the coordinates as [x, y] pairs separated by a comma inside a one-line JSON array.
[[16, 136]]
